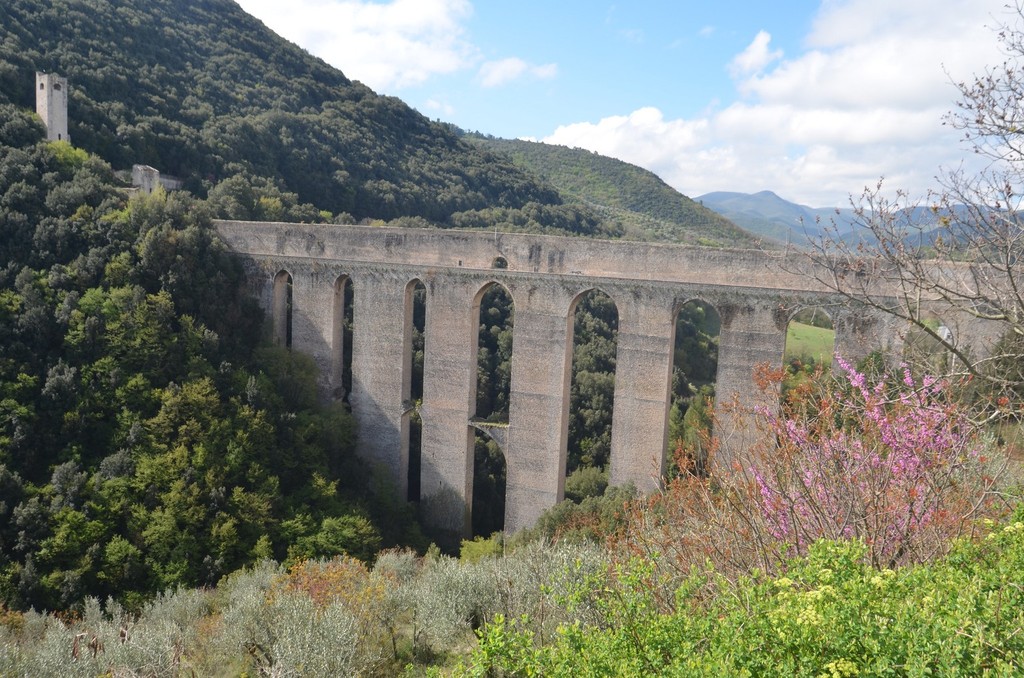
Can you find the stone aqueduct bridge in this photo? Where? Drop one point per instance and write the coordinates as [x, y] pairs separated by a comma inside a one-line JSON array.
[[545, 277]]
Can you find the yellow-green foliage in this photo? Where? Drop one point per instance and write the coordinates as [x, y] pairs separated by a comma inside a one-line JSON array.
[[479, 548], [69, 157], [830, 615]]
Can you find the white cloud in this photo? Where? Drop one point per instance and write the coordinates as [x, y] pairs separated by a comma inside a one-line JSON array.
[[756, 57], [494, 73], [503, 71], [866, 53], [386, 45], [864, 100]]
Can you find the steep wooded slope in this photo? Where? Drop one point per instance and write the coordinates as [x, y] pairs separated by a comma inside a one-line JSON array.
[[199, 89]]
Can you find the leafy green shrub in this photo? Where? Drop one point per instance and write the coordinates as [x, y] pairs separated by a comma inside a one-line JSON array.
[[478, 548], [831, 614], [586, 481], [592, 520], [432, 605]]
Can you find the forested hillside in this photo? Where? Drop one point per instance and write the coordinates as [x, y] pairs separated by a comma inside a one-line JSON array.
[[201, 90], [146, 440], [640, 204]]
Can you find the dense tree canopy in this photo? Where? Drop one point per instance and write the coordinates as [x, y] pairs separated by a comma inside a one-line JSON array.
[[201, 90], [145, 442]]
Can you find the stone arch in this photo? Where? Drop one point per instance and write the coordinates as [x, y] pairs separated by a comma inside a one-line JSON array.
[[281, 306], [575, 302], [340, 309], [499, 262], [811, 310], [590, 400], [697, 327], [810, 343], [414, 326]]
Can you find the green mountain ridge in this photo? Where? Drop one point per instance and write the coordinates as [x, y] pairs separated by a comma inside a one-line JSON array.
[[642, 205], [201, 90]]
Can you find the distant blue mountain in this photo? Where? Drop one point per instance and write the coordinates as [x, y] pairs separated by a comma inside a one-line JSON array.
[[770, 216]]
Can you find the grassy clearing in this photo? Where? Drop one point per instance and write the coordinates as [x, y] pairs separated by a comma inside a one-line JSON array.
[[806, 341]]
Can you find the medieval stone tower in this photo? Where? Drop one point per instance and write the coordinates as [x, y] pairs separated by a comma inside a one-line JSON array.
[[52, 105]]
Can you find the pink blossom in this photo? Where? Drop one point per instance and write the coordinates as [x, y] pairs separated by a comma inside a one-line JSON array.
[[872, 466]]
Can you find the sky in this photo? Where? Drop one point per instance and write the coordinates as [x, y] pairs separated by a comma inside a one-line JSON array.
[[814, 100]]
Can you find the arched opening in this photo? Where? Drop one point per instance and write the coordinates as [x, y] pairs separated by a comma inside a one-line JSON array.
[[282, 309], [415, 322], [348, 334], [489, 474], [342, 302], [595, 328], [494, 353], [694, 373], [499, 262], [810, 346], [496, 314]]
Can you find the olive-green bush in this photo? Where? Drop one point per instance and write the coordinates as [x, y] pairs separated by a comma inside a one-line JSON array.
[[830, 614]]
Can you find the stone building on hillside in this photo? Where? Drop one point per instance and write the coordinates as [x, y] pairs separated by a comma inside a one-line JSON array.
[[147, 179], [52, 105]]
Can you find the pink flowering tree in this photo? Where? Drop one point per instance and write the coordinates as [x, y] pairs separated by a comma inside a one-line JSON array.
[[894, 462]]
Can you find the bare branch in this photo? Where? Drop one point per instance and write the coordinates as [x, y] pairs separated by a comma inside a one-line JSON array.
[[956, 252]]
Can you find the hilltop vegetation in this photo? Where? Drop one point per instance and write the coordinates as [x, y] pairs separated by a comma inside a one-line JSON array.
[[643, 206], [201, 90]]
